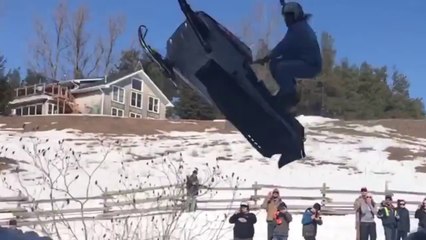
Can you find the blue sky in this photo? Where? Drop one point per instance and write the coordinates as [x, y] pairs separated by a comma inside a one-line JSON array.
[[382, 32]]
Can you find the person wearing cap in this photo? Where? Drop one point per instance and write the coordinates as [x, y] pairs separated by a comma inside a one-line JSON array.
[[366, 213], [243, 221], [357, 207], [282, 221], [389, 218], [310, 220], [297, 55], [271, 203], [403, 223]]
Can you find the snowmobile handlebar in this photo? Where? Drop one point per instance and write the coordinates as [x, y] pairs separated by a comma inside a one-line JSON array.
[[199, 28]]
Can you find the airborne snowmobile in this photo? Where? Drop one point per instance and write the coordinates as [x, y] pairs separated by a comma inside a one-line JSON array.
[[215, 63]]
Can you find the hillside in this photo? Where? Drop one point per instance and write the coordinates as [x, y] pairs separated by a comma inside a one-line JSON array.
[[344, 155]]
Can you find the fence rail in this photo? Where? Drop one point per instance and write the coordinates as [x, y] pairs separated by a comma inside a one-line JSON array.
[[116, 204]]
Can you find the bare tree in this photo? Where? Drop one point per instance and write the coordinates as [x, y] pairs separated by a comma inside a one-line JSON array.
[[115, 29], [260, 29], [48, 50], [262, 23], [78, 39], [70, 48]]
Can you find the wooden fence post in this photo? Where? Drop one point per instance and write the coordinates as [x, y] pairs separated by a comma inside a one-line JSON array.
[[105, 200], [255, 193], [324, 194]]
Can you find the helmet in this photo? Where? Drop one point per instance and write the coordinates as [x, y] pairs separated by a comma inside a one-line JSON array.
[[294, 8]]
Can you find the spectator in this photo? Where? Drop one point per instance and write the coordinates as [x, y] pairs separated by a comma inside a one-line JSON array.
[[421, 215], [310, 220], [403, 224], [192, 188], [389, 218], [282, 221], [357, 205], [271, 203], [244, 222], [419, 235], [366, 213]]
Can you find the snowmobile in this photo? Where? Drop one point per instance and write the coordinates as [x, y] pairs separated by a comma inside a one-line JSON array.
[[211, 60]]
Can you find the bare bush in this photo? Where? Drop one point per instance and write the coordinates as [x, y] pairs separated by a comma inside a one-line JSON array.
[[69, 196]]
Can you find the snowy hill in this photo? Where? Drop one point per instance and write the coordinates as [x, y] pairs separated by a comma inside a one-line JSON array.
[[344, 155]]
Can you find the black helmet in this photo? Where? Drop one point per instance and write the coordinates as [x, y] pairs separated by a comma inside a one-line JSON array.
[[293, 8]]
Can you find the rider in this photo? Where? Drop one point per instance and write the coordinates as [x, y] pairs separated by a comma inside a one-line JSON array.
[[297, 55]]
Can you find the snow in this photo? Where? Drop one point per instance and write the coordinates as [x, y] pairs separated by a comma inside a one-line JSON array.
[[334, 159], [31, 99]]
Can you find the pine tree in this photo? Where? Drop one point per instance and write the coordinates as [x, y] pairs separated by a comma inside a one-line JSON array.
[[6, 91], [400, 84], [192, 106]]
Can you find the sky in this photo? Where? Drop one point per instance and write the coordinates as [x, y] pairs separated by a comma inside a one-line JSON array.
[[381, 32]]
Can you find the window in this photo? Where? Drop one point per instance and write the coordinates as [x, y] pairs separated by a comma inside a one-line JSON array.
[[52, 109], [39, 109], [118, 94], [136, 84], [117, 112], [32, 110], [135, 115], [29, 110], [153, 104], [136, 100]]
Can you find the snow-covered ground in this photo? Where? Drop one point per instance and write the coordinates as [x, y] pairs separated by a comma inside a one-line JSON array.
[[339, 160]]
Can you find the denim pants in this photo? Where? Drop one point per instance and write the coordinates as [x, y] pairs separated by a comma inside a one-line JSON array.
[[285, 73], [271, 227], [278, 237]]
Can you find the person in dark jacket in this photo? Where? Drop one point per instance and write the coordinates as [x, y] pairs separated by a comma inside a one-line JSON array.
[[421, 215], [297, 55], [310, 221], [282, 221], [192, 188], [387, 213], [403, 224], [244, 222], [419, 235]]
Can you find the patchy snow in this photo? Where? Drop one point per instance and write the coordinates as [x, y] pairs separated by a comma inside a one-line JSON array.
[[348, 162]]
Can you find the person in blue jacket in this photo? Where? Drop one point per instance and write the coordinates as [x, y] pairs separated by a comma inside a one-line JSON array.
[[310, 220], [297, 55]]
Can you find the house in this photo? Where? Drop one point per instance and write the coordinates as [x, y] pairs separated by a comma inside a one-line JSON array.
[[134, 95]]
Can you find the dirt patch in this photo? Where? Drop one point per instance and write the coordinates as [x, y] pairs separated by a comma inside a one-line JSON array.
[[346, 168], [6, 163], [347, 131], [111, 125], [330, 163], [365, 149], [401, 154], [421, 169], [409, 127]]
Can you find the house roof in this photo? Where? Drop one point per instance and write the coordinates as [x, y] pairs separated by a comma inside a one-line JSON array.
[[97, 85], [27, 99]]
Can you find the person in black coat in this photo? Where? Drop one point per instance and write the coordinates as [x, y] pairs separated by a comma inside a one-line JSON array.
[[421, 215], [403, 223], [244, 222]]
